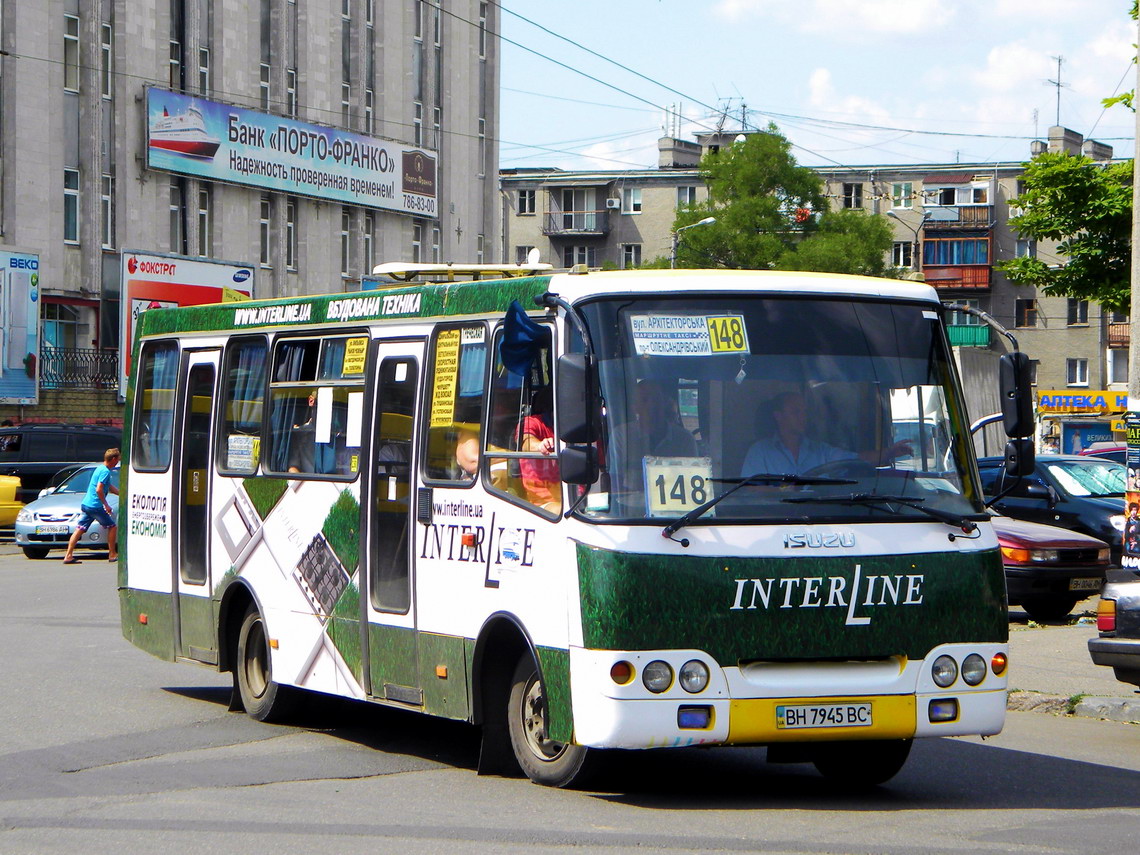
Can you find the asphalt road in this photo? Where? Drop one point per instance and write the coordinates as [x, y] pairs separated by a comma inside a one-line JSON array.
[[105, 749]]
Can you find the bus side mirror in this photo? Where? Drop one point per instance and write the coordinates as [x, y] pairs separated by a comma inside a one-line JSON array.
[[579, 409], [578, 464], [1016, 394], [1019, 457]]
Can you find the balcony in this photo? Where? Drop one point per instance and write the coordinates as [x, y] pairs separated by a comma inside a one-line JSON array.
[[573, 223], [1119, 334], [78, 368], [961, 217], [968, 335], [970, 277]]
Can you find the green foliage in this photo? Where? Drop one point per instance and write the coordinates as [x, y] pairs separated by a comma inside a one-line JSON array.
[[771, 214], [1087, 208]]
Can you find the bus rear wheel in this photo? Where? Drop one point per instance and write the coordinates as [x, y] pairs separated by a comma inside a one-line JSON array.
[[262, 698], [861, 764], [543, 760]]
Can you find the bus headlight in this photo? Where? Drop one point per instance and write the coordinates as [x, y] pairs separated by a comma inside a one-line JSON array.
[[657, 676], [694, 676], [973, 669], [944, 671]]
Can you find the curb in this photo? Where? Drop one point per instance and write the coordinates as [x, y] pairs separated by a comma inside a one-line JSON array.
[[1113, 709]]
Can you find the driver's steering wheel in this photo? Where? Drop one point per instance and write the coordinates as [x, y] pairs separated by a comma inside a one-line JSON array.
[[850, 467]]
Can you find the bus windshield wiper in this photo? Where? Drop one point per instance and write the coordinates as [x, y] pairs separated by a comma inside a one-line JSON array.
[[956, 520], [737, 483]]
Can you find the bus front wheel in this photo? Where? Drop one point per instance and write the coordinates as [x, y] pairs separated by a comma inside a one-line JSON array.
[[543, 760], [262, 698], [861, 764]]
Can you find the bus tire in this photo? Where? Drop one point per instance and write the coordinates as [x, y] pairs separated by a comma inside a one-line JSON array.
[[262, 698], [856, 765], [543, 760]]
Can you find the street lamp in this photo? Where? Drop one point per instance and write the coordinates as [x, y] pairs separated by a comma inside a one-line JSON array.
[[916, 259], [707, 221]]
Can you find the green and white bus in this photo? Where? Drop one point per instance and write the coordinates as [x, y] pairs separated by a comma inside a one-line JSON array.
[[527, 503]]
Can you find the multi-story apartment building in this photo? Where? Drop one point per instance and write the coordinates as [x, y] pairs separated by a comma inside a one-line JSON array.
[[325, 136], [951, 225]]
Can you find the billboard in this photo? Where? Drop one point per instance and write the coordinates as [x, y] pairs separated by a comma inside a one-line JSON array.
[[19, 327], [220, 142], [153, 281]]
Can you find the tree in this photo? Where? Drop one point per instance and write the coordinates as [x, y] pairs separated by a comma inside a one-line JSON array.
[[771, 214], [1087, 207]]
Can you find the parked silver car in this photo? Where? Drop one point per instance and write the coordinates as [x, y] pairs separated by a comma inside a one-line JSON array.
[[48, 522]]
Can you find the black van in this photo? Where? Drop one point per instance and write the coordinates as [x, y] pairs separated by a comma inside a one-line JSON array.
[[35, 452]]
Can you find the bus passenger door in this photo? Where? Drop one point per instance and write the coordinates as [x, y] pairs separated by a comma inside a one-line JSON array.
[[193, 606], [389, 609]]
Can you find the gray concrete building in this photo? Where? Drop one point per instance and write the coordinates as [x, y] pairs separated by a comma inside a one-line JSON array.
[[951, 225], [96, 96]]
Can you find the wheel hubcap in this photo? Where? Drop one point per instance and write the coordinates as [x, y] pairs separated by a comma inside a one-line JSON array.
[[256, 661], [534, 724]]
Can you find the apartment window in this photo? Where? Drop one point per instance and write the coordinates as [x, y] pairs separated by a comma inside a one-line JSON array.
[[902, 253], [572, 255], [1025, 312], [1118, 317], [630, 255], [436, 115], [902, 194], [686, 196], [852, 195], [369, 231], [177, 237], [418, 125], [369, 117], [107, 211], [956, 251], [1026, 248], [418, 14], [204, 70], [345, 104], [175, 64], [631, 200], [71, 205], [1077, 372], [263, 231], [205, 223], [480, 243], [345, 226], [482, 31], [1033, 366], [291, 233], [437, 25], [1078, 312], [71, 53], [106, 60], [291, 92], [965, 319], [1118, 365], [482, 146], [980, 195], [417, 240], [522, 254], [436, 240], [265, 85], [526, 202]]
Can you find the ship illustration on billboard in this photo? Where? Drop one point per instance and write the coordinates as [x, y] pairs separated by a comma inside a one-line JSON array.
[[183, 133]]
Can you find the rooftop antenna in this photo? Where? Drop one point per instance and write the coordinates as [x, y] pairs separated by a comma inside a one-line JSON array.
[[1035, 114], [1058, 84]]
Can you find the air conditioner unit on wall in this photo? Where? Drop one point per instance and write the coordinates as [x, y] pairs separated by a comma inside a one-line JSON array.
[[613, 203]]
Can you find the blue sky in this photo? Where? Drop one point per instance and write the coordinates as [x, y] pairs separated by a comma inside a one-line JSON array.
[[973, 74]]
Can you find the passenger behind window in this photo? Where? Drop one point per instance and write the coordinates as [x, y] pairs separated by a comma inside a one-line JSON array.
[[536, 434]]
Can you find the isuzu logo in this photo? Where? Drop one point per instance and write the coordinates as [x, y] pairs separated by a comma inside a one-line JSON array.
[[819, 540]]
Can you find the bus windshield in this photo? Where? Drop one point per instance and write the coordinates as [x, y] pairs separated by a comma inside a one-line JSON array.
[[827, 407]]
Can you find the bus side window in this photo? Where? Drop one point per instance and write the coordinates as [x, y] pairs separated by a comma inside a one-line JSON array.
[[522, 422], [243, 398], [455, 408], [154, 407]]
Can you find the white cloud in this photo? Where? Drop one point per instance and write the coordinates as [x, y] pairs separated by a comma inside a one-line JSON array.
[[844, 19]]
